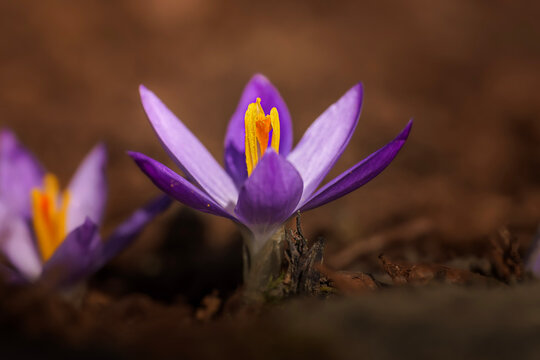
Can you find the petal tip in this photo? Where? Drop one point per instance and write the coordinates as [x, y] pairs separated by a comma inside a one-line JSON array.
[[98, 156], [143, 89], [6, 133], [406, 131], [8, 137], [136, 156], [260, 77], [88, 223], [146, 95], [359, 87], [100, 149]]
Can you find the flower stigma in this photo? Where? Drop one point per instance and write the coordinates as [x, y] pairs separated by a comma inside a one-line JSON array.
[[258, 128], [49, 213]]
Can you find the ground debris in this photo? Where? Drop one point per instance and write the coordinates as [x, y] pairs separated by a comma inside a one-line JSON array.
[[305, 274], [210, 306], [506, 262], [422, 274], [350, 282]]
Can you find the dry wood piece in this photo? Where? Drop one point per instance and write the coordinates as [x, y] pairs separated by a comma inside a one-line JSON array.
[[350, 282], [506, 263], [302, 275]]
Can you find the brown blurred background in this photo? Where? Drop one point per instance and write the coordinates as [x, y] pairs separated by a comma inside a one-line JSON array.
[[467, 71]]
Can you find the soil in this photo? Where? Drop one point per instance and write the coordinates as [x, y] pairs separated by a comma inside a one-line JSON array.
[[424, 262]]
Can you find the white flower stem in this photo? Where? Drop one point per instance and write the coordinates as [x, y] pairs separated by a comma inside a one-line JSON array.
[[263, 266]]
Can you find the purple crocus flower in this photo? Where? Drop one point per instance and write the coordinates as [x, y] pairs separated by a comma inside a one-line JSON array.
[[532, 259], [265, 180], [53, 237]]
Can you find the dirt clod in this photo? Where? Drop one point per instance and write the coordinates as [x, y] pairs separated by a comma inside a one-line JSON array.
[[422, 274]]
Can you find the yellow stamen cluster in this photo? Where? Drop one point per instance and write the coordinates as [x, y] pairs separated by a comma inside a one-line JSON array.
[[258, 126], [49, 211]]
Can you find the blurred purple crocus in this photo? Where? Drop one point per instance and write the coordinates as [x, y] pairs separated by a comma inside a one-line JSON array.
[[532, 259], [54, 237], [265, 180]]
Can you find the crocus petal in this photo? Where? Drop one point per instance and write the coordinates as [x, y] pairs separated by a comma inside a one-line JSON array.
[[177, 187], [360, 173], [20, 172], [326, 139], [532, 258], [188, 152], [533, 265], [72, 260], [11, 276], [270, 195], [126, 232], [88, 189], [17, 245], [235, 157]]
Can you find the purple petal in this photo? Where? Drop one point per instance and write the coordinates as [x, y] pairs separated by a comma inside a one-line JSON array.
[[129, 229], [532, 258], [73, 259], [11, 276], [88, 189], [326, 139], [533, 265], [19, 174], [235, 157], [188, 152], [360, 173], [177, 187], [270, 195], [17, 245]]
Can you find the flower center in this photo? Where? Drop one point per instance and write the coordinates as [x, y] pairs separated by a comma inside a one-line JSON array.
[[49, 211], [258, 128]]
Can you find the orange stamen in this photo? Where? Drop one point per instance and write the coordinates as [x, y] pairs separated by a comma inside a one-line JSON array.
[[258, 127], [49, 211]]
